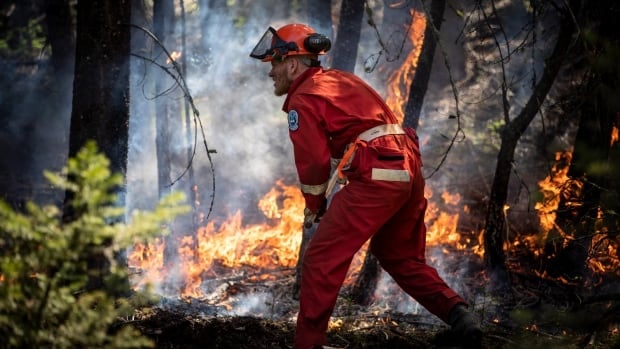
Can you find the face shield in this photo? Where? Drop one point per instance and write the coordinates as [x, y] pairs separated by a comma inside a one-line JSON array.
[[271, 46]]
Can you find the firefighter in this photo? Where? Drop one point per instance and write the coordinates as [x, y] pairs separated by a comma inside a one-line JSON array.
[[335, 117]]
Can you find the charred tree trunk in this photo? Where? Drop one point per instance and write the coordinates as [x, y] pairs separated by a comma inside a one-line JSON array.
[[168, 116], [495, 226], [60, 34], [419, 84], [163, 28], [348, 35], [101, 95], [101, 83], [366, 282]]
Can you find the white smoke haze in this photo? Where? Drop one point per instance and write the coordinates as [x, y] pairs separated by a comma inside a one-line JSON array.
[[244, 123]]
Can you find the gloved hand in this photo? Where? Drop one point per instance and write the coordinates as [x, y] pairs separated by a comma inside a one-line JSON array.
[[311, 217]]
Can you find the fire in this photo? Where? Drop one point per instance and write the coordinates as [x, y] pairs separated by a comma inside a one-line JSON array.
[[400, 81], [231, 247], [551, 188], [174, 56], [604, 253]]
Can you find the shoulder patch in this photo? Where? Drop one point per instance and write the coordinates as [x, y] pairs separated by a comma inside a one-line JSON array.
[[293, 120]]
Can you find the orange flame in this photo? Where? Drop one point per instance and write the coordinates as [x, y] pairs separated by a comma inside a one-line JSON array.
[[399, 82], [274, 245], [270, 246], [174, 56], [603, 255], [551, 188]]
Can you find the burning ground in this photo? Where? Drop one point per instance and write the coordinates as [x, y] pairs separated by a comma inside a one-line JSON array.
[[232, 287], [246, 312]]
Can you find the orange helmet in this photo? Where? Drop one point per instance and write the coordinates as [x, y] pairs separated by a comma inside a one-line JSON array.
[[290, 40]]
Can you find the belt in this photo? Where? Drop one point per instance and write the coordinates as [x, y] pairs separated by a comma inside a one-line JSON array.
[[361, 140]]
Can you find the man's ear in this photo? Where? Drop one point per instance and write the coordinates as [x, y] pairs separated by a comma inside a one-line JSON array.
[[293, 65]]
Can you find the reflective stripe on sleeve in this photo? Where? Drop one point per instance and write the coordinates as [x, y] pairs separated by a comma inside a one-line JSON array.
[[382, 174], [314, 189]]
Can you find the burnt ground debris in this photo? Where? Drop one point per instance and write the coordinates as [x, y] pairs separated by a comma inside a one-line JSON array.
[[536, 313]]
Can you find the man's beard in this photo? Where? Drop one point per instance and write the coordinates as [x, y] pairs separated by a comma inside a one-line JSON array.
[[281, 89]]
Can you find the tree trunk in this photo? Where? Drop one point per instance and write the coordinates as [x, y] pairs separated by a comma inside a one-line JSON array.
[[101, 83], [101, 94], [61, 38], [163, 28], [168, 119], [348, 35], [495, 226], [419, 84]]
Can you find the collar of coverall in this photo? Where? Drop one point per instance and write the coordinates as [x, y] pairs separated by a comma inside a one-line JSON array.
[[309, 72]]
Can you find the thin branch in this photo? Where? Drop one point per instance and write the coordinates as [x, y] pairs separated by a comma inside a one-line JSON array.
[[177, 76]]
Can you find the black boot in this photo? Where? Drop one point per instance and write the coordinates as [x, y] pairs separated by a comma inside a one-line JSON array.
[[465, 326]]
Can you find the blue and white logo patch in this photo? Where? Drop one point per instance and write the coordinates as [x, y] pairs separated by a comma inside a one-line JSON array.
[[293, 120]]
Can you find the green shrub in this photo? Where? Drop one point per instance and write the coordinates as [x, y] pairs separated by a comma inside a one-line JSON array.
[[44, 262]]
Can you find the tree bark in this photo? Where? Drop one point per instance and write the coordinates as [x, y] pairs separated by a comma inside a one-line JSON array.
[[60, 34], [163, 28], [419, 84], [101, 95], [495, 225], [348, 35], [101, 83]]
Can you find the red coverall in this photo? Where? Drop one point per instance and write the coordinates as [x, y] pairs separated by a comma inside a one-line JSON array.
[[327, 110]]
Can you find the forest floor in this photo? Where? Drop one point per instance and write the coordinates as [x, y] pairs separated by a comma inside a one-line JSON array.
[[535, 314]]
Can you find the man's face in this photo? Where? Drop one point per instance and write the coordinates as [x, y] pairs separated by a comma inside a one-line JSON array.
[[281, 76]]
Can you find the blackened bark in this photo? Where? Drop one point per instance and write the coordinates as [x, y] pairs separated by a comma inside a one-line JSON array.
[[348, 35], [579, 203], [101, 96], [163, 28], [495, 226], [101, 83], [60, 34], [419, 84]]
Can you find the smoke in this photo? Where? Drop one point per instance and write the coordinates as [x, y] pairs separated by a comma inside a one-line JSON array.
[[243, 121], [34, 114]]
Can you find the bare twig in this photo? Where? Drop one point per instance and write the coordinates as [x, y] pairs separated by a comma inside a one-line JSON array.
[[177, 75]]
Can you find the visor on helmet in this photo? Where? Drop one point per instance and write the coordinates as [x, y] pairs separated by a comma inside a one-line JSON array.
[[271, 45]]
